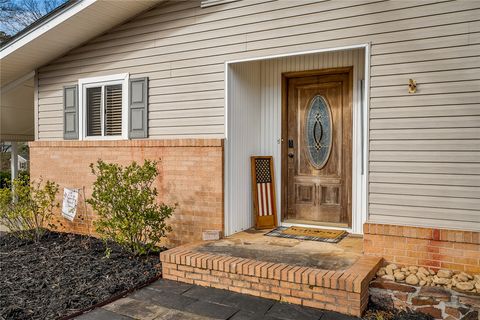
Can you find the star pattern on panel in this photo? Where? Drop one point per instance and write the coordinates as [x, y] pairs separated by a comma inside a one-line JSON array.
[[262, 170]]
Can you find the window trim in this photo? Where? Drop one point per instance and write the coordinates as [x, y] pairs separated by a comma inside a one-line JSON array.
[[83, 84]]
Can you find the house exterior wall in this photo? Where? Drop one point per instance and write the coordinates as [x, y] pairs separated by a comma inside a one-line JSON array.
[[428, 247], [424, 167], [190, 174]]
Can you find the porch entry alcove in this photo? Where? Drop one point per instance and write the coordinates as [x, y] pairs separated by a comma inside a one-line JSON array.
[[306, 110]]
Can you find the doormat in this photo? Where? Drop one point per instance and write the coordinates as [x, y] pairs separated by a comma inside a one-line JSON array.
[[313, 234]]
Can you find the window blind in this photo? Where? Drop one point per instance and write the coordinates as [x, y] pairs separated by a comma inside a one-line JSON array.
[[94, 111], [113, 110]]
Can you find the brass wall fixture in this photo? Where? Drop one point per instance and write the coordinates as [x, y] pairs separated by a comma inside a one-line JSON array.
[[412, 86]]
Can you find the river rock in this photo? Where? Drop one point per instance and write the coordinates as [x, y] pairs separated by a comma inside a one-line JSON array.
[[412, 280], [413, 269], [465, 286], [390, 268], [381, 272], [461, 277], [422, 276], [444, 273], [422, 270], [422, 283], [388, 277], [399, 276], [464, 274], [477, 286], [441, 281]]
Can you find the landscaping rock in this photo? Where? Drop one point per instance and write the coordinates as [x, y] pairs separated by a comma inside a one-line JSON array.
[[413, 269], [435, 292], [423, 271], [381, 272], [444, 273], [465, 286], [422, 276], [390, 268], [441, 281], [388, 277], [399, 276], [424, 301], [412, 280], [465, 276], [432, 311], [382, 284]]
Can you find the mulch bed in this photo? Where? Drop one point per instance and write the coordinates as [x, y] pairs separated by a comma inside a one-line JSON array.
[[64, 274], [374, 312]]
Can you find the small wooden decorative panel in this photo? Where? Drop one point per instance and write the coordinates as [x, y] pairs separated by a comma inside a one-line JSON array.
[[263, 187]]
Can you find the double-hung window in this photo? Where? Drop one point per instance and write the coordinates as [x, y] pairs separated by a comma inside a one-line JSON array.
[[104, 110]]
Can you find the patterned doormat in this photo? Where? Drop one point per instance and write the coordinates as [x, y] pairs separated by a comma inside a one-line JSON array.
[[313, 234]]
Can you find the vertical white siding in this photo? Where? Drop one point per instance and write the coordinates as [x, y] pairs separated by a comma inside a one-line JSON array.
[[244, 123]]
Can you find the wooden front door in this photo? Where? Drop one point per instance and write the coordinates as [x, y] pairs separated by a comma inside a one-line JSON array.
[[318, 147]]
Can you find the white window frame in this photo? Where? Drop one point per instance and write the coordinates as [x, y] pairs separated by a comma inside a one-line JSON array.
[[85, 83]]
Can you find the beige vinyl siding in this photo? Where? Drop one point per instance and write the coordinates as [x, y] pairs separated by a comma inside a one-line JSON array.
[[430, 138]]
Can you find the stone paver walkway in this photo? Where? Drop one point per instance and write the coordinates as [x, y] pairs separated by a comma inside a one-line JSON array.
[[170, 300]]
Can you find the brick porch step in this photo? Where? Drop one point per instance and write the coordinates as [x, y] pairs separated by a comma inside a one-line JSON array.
[[344, 291]]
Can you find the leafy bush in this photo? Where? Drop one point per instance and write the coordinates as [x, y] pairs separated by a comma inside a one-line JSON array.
[[5, 178], [125, 200], [29, 208]]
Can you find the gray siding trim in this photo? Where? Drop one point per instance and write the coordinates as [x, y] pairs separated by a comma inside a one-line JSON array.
[[138, 108], [70, 110]]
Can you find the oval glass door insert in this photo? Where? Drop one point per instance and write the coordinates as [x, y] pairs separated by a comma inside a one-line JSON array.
[[318, 132]]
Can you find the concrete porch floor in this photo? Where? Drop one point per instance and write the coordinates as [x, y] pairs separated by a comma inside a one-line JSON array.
[[253, 244], [310, 273]]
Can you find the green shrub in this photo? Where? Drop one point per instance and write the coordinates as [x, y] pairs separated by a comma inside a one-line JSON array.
[[125, 200], [5, 178], [31, 210]]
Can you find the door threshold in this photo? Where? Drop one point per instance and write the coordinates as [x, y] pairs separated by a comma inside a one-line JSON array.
[[311, 224]]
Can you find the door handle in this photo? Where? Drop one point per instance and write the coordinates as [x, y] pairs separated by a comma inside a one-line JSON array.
[[291, 155]]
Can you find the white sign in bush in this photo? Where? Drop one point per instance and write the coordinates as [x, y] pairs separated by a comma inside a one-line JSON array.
[[70, 200]]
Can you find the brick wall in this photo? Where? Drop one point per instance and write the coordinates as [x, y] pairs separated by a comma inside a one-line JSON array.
[[191, 174], [344, 291], [429, 247]]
